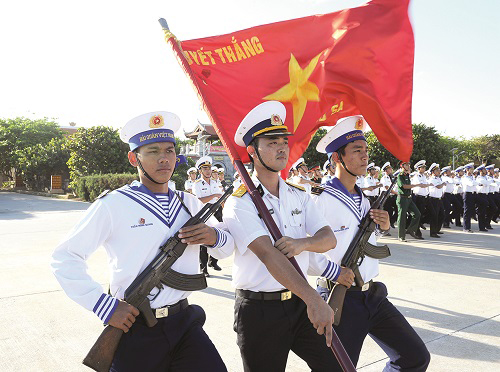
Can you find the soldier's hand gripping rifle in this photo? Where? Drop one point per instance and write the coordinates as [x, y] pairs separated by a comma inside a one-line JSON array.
[[358, 249], [155, 275]]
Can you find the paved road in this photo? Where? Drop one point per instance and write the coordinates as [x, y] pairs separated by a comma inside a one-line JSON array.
[[448, 289]]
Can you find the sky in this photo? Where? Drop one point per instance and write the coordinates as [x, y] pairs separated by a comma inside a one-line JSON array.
[[105, 62]]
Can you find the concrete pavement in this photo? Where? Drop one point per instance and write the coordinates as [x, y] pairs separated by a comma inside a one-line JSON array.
[[448, 289]]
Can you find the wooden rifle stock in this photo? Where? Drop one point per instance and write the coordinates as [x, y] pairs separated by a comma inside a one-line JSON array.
[[100, 356]]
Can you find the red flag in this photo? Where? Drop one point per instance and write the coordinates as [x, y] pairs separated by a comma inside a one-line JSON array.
[[323, 68]]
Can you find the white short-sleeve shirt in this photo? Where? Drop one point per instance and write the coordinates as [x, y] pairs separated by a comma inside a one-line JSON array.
[[201, 188]]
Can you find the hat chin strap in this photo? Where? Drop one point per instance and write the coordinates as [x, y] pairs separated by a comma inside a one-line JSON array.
[[146, 173], [264, 164], [343, 164]]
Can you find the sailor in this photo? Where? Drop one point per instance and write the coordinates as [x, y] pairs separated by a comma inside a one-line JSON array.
[[492, 211], [302, 179], [483, 186], [421, 192], [222, 182], [237, 181], [449, 200], [366, 309], [207, 189], [189, 184], [328, 172], [469, 187], [436, 190], [273, 301], [131, 223], [372, 184], [390, 204], [458, 209]]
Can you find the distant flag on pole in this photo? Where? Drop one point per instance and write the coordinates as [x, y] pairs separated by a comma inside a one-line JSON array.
[[323, 68]]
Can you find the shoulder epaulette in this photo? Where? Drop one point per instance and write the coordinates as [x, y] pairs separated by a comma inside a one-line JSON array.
[[317, 190], [296, 186], [240, 191], [103, 194], [198, 180]]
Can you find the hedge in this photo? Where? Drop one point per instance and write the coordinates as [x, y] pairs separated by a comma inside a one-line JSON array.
[[90, 187]]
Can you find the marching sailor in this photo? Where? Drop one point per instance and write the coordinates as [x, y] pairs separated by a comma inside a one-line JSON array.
[[366, 309], [273, 301], [207, 190], [131, 223], [189, 184], [390, 204]]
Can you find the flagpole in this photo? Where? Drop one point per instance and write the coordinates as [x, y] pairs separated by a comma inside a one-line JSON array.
[[336, 347]]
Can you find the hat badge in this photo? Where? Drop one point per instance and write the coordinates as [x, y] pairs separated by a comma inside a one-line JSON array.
[[276, 120], [359, 124], [156, 121]]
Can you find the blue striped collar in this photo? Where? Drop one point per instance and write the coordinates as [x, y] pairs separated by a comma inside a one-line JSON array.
[[142, 195], [336, 189]]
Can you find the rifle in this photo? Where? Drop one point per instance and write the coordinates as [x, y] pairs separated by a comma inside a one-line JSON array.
[[356, 252], [155, 275]]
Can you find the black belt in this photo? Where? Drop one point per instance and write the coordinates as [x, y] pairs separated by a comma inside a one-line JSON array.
[[168, 310], [471, 192], [328, 284], [422, 196], [404, 196], [267, 296]]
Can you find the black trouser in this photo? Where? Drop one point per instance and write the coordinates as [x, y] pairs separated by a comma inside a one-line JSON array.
[[448, 203], [268, 329], [437, 221], [371, 313], [391, 208], [205, 258], [425, 208], [469, 208], [458, 208], [482, 206], [492, 209], [175, 343], [496, 198]]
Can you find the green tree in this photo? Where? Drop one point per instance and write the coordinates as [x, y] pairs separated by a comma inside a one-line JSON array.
[[311, 156], [20, 133], [97, 150], [39, 162]]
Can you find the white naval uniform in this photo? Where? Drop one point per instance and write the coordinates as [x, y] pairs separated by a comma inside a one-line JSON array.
[[326, 179], [295, 215], [343, 216], [171, 185], [202, 189], [188, 185], [483, 185], [307, 186], [469, 184], [368, 182], [494, 185], [420, 179], [457, 188], [450, 184], [434, 192], [360, 181], [131, 225]]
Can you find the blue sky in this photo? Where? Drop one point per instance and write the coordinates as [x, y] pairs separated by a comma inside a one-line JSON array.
[[104, 62]]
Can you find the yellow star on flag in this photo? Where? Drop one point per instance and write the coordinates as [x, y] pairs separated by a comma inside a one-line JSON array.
[[299, 90]]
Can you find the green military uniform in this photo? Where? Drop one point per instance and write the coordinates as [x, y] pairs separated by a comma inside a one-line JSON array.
[[405, 204]]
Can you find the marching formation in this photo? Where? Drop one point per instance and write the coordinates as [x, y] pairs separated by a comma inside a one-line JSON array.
[[276, 311], [435, 196]]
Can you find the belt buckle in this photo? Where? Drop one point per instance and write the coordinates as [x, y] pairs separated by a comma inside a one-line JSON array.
[[161, 313], [365, 286], [286, 295]]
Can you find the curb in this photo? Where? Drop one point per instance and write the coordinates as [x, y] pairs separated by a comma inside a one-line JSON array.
[[70, 197]]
